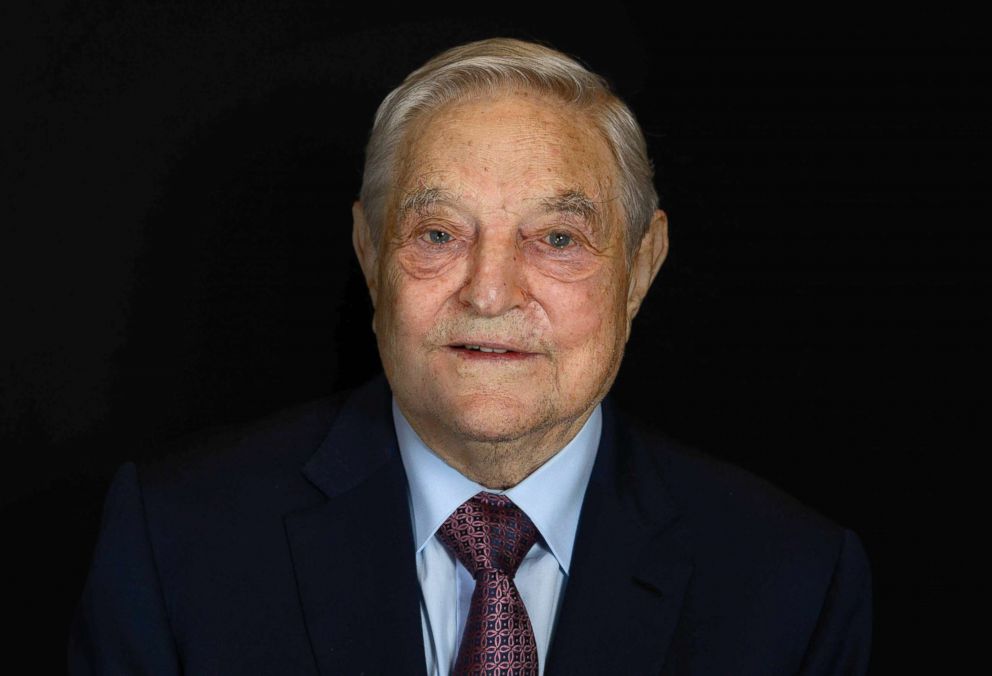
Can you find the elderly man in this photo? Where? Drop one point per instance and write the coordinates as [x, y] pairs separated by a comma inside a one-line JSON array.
[[482, 509]]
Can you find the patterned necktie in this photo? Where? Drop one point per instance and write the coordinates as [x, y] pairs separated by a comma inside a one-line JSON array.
[[490, 536]]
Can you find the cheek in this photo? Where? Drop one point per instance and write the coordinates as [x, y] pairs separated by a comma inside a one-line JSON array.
[[413, 304], [583, 314]]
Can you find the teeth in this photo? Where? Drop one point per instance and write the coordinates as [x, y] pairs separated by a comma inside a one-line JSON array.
[[486, 349]]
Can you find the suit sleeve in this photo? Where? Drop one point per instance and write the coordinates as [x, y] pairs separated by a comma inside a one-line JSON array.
[[841, 642], [121, 625]]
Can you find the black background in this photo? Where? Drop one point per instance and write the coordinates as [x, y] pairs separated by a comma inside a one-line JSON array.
[[176, 254]]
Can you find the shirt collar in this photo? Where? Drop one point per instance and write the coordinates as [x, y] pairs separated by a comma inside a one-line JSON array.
[[551, 496]]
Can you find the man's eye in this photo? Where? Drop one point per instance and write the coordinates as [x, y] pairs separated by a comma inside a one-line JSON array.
[[438, 237], [559, 240]]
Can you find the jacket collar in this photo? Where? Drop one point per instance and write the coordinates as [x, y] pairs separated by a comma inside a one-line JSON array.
[[354, 555], [361, 441], [631, 564]]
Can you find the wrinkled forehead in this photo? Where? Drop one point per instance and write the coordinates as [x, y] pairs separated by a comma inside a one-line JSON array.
[[523, 145]]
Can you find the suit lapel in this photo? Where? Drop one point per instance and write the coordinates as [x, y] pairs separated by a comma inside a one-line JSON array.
[[353, 555], [629, 569]]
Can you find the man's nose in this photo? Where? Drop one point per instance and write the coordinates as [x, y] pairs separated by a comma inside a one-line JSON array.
[[494, 283]]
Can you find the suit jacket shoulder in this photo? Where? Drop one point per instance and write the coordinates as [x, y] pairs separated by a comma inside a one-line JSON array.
[[731, 511], [233, 555], [744, 578]]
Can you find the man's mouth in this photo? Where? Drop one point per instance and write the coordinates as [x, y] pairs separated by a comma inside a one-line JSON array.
[[482, 348], [490, 351]]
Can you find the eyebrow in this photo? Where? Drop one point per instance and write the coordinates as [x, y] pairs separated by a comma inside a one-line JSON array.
[[423, 200], [572, 202]]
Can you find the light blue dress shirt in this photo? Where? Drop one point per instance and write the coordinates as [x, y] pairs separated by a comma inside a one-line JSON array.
[[551, 497]]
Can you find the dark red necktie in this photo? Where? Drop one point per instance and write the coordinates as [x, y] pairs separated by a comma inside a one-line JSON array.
[[490, 536]]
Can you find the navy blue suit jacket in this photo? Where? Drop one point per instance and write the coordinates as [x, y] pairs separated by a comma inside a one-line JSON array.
[[287, 548]]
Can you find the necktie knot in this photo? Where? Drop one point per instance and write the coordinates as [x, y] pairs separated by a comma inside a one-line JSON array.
[[488, 533]]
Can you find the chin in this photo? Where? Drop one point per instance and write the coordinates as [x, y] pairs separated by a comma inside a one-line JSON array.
[[497, 418]]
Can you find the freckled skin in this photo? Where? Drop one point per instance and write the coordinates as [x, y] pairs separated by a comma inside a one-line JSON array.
[[482, 265]]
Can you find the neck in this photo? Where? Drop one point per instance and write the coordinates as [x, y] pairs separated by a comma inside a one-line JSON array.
[[502, 463]]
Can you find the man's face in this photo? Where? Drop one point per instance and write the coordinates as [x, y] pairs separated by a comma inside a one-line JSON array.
[[501, 284]]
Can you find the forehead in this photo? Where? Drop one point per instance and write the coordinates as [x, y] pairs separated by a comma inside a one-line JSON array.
[[507, 149]]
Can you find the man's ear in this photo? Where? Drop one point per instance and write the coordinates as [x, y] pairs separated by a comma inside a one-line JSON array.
[[361, 238], [647, 261]]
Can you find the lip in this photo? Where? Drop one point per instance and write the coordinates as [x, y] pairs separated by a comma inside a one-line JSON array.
[[512, 353], [487, 344], [477, 355]]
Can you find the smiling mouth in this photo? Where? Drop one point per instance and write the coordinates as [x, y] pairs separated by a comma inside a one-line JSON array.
[[473, 351], [481, 348]]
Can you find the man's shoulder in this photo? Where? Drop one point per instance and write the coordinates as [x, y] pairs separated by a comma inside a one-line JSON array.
[[284, 438], [246, 468], [755, 562], [727, 508]]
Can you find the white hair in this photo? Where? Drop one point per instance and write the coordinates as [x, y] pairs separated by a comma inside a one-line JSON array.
[[497, 65]]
